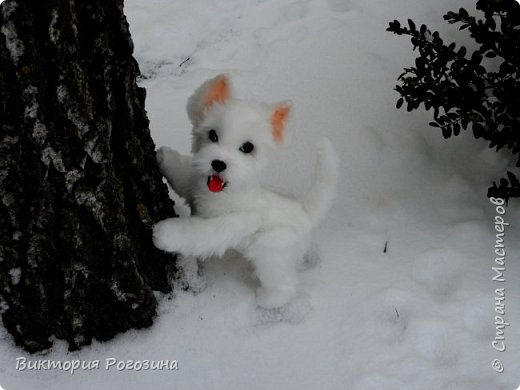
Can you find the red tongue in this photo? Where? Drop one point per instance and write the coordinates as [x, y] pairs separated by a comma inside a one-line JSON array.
[[215, 183]]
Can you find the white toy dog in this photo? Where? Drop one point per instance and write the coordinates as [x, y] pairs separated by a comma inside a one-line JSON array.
[[232, 142]]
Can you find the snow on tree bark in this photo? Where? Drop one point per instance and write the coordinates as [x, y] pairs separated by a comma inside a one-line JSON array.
[[79, 185]]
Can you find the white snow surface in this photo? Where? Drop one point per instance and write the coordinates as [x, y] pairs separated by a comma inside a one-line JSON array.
[[421, 315]]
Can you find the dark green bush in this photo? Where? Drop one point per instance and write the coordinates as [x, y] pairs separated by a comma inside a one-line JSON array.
[[480, 90]]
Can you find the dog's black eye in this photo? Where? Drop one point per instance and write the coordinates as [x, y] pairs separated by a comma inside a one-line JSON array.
[[213, 137], [247, 147]]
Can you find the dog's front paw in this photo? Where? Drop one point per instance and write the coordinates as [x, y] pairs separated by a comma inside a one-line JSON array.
[[165, 236], [165, 157], [168, 159]]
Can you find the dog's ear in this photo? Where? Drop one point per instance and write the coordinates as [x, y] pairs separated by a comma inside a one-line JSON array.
[[279, 117], [216, 90]]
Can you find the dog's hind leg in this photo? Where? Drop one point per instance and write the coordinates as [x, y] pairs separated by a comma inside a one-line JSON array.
[[310, 259], [277, 275]]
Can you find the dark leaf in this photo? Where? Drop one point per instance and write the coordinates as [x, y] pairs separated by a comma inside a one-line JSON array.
[[476, 58], [513, 179], [463, 89], [456, 129]]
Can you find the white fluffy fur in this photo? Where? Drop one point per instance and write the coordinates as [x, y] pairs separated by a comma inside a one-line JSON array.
[[270, 230]]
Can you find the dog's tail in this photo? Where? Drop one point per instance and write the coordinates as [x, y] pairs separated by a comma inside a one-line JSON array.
[[323, 190]]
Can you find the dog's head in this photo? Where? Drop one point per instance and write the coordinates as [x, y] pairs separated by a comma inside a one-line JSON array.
[[233, 139]]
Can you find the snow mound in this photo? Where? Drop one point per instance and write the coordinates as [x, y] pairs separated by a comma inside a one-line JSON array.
[[439, 270]]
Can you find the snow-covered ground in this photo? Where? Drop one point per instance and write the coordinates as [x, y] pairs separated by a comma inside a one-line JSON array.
[[420, 315]]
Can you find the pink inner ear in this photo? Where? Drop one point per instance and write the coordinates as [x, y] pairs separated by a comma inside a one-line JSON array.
[[217, 93], [278, 120]]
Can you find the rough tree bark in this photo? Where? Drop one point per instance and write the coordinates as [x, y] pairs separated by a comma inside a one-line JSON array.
[[79, 186]]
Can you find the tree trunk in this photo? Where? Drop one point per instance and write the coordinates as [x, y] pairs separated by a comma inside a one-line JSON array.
[[79, 185]]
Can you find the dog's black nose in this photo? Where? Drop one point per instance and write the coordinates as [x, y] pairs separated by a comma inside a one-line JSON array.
[[218, 165]]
